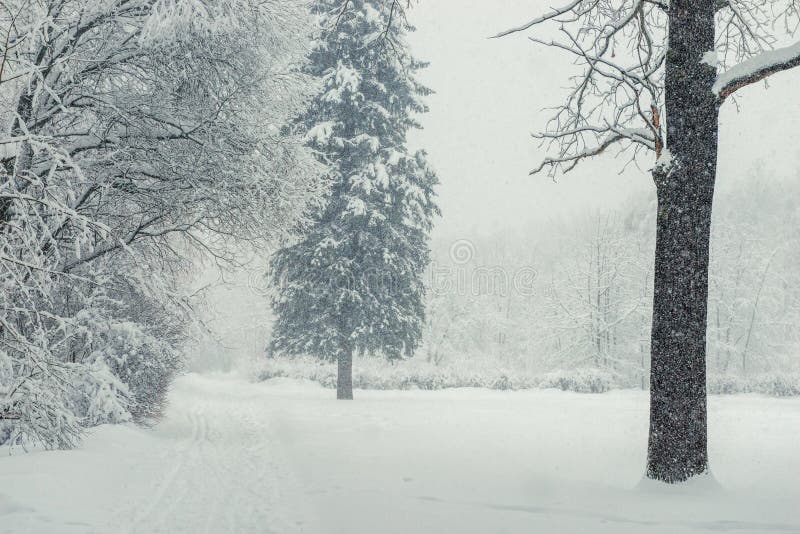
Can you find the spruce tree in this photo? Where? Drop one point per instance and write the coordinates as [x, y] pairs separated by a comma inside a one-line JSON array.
[[353, 284]]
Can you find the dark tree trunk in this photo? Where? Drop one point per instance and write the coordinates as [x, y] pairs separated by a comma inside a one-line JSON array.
[[677, 446], [344, 378]]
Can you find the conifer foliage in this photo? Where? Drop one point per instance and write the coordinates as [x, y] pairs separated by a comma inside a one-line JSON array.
[[353, 283]]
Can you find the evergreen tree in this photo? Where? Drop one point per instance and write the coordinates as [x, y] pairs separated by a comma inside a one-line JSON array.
[[353, 284]]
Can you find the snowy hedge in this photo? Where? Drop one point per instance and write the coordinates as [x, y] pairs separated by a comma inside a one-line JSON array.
[[372, 373], [774, 384]]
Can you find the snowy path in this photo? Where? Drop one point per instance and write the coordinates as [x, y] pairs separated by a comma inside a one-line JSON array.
[[225, 477], [284, 457], [209, 467]]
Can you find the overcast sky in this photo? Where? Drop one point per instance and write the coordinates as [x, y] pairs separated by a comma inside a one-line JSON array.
[[489, 99]]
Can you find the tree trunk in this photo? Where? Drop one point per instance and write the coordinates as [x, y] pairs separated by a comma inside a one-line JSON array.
[[677, 446], [344, 378]]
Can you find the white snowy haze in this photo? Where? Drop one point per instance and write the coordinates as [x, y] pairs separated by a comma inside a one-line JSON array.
[[491, 94]]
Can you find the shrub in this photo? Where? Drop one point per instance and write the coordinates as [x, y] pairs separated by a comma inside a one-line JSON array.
[[376, 374], [772, 384], [581, 380]]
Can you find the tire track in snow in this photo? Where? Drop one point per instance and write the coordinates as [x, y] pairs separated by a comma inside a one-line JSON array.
[[168, 481], [227, 475]]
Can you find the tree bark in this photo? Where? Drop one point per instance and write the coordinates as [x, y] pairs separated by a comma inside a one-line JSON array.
[[344, 378], [677, 446]]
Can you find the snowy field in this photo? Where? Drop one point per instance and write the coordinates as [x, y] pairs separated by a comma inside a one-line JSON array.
[[284, 457]]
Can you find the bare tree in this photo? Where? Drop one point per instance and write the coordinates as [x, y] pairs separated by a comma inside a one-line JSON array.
[[650, 84]]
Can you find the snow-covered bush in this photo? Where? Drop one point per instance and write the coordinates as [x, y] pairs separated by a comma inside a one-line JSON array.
[[373, 373], [773, 384], [136, 332], [102, 396], [586, 380], [108, 352]]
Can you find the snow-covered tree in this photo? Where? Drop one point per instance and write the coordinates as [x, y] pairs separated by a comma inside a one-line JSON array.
[[753, 295], [353, 284], [596, 295], [136, 132], [655, 74]]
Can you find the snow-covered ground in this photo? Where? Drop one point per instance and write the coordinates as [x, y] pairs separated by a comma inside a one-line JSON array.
[[285, 457]]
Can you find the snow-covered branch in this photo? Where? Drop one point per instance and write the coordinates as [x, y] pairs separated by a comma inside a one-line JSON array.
[[554, 14], [757, 68]]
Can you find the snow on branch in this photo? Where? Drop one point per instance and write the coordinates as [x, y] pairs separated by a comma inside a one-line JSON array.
[[390, 16], [756, 69], [571, 161], [558, 12]]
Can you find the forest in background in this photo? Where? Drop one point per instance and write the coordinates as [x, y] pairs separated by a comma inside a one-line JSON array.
[[568, 304]]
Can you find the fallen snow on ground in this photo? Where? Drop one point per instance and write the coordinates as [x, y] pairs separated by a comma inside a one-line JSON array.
[[284, 457]]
